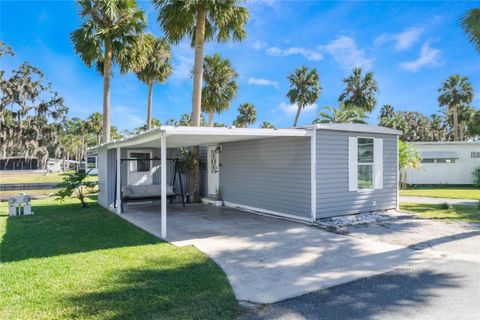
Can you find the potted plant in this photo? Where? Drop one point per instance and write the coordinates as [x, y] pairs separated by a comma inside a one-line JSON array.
[[218, 197]]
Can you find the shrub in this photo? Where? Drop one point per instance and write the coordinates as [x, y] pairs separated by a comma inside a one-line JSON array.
[[476, 177], [445, 206], [74, 184]]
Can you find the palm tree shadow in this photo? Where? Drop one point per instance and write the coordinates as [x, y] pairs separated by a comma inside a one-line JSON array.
[[57, 229], [159, 290], [366, 298]]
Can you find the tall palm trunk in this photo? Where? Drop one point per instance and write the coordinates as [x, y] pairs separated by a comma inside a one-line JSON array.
[[198, 66], [98, 139], [455, 123], [107, 73], [297, 115], [210, 119], [149, 107], [194, 182]]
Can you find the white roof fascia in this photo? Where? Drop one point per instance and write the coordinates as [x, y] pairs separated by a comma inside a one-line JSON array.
[[354, 127], [156, 133], [436, 143]]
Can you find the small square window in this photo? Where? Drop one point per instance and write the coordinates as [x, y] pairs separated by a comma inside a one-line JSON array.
[[475, 154], [142, 164]]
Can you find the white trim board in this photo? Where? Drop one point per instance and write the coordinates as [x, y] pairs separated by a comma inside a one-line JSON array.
[[267, 212]]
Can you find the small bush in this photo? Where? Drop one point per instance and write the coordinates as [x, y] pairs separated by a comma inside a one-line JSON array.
[[478, 205], [445, 206], [476, 177]]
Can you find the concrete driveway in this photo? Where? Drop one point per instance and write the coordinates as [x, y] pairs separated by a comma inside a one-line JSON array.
[[268, 259], [448, 288]]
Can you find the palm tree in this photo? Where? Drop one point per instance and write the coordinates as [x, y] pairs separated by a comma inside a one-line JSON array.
[[201, 21], [109, 31], [247, 114], [219, 85], [359, 92], [267, 125], [304, 89], [455, 93], [95, 125], [341, 115], [408, 157], [471, 25], [158, 68]]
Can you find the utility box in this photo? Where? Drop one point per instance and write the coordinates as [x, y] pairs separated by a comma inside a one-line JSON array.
[[19, 205]]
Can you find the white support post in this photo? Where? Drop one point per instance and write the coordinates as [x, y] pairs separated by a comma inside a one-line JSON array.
[[118, 204], [398, 178], [163, 185], [313, 169]]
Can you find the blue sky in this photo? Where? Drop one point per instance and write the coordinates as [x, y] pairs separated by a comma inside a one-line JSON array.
[[410, 46]]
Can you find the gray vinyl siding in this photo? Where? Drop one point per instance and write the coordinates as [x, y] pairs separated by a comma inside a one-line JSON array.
[[271, 174], [333, 196], [111, 175]]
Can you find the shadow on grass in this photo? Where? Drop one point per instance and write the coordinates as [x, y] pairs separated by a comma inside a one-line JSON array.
[[63, 228], [161, 289], [365, 299]]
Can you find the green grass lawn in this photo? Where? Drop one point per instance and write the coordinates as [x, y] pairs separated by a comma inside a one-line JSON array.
[[433, 211], [443, 192], [65, 262], [36, 178]]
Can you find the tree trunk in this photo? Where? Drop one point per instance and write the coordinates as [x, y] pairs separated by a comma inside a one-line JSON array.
[[98, 139], [107, 73], [149, 107], [297, 115], [198, 67], [194, 182], [455, 124], [210, 119]]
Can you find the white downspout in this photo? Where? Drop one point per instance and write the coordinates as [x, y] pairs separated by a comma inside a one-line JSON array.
[[163, 185], [313, 173], [118, 204]]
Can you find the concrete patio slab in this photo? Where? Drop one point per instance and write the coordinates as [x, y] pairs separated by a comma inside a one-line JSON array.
[[268, 259]]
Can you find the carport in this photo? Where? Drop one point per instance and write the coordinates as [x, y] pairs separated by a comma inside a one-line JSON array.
[[177, 137]]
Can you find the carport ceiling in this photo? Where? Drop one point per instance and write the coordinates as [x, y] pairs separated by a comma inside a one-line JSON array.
[[193, 136]]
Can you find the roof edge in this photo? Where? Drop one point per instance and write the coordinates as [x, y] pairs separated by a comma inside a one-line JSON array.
[[354, 127]]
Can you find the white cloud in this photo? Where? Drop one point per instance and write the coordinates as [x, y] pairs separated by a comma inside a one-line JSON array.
[[123, 112], [402, 40], [344, 50], [292, 108], [259, 45], [182, 67], [263, 82], [310, 55], [429, 57], [274, 51]]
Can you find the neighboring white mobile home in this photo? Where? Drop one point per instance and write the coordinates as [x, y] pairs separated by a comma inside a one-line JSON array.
[[446, 162], [304, 174]]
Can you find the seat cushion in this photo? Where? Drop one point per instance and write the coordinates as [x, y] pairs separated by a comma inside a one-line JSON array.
[[144, 191]]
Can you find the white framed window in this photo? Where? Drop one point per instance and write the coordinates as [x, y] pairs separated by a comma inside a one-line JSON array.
[[475, 154], [365, 163], [143, 163]]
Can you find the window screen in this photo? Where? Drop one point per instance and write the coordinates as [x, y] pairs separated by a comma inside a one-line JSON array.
[[365, 163]]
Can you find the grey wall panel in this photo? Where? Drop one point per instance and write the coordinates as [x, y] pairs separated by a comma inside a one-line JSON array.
[[272, 174], [333, 196], [111, 175]]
